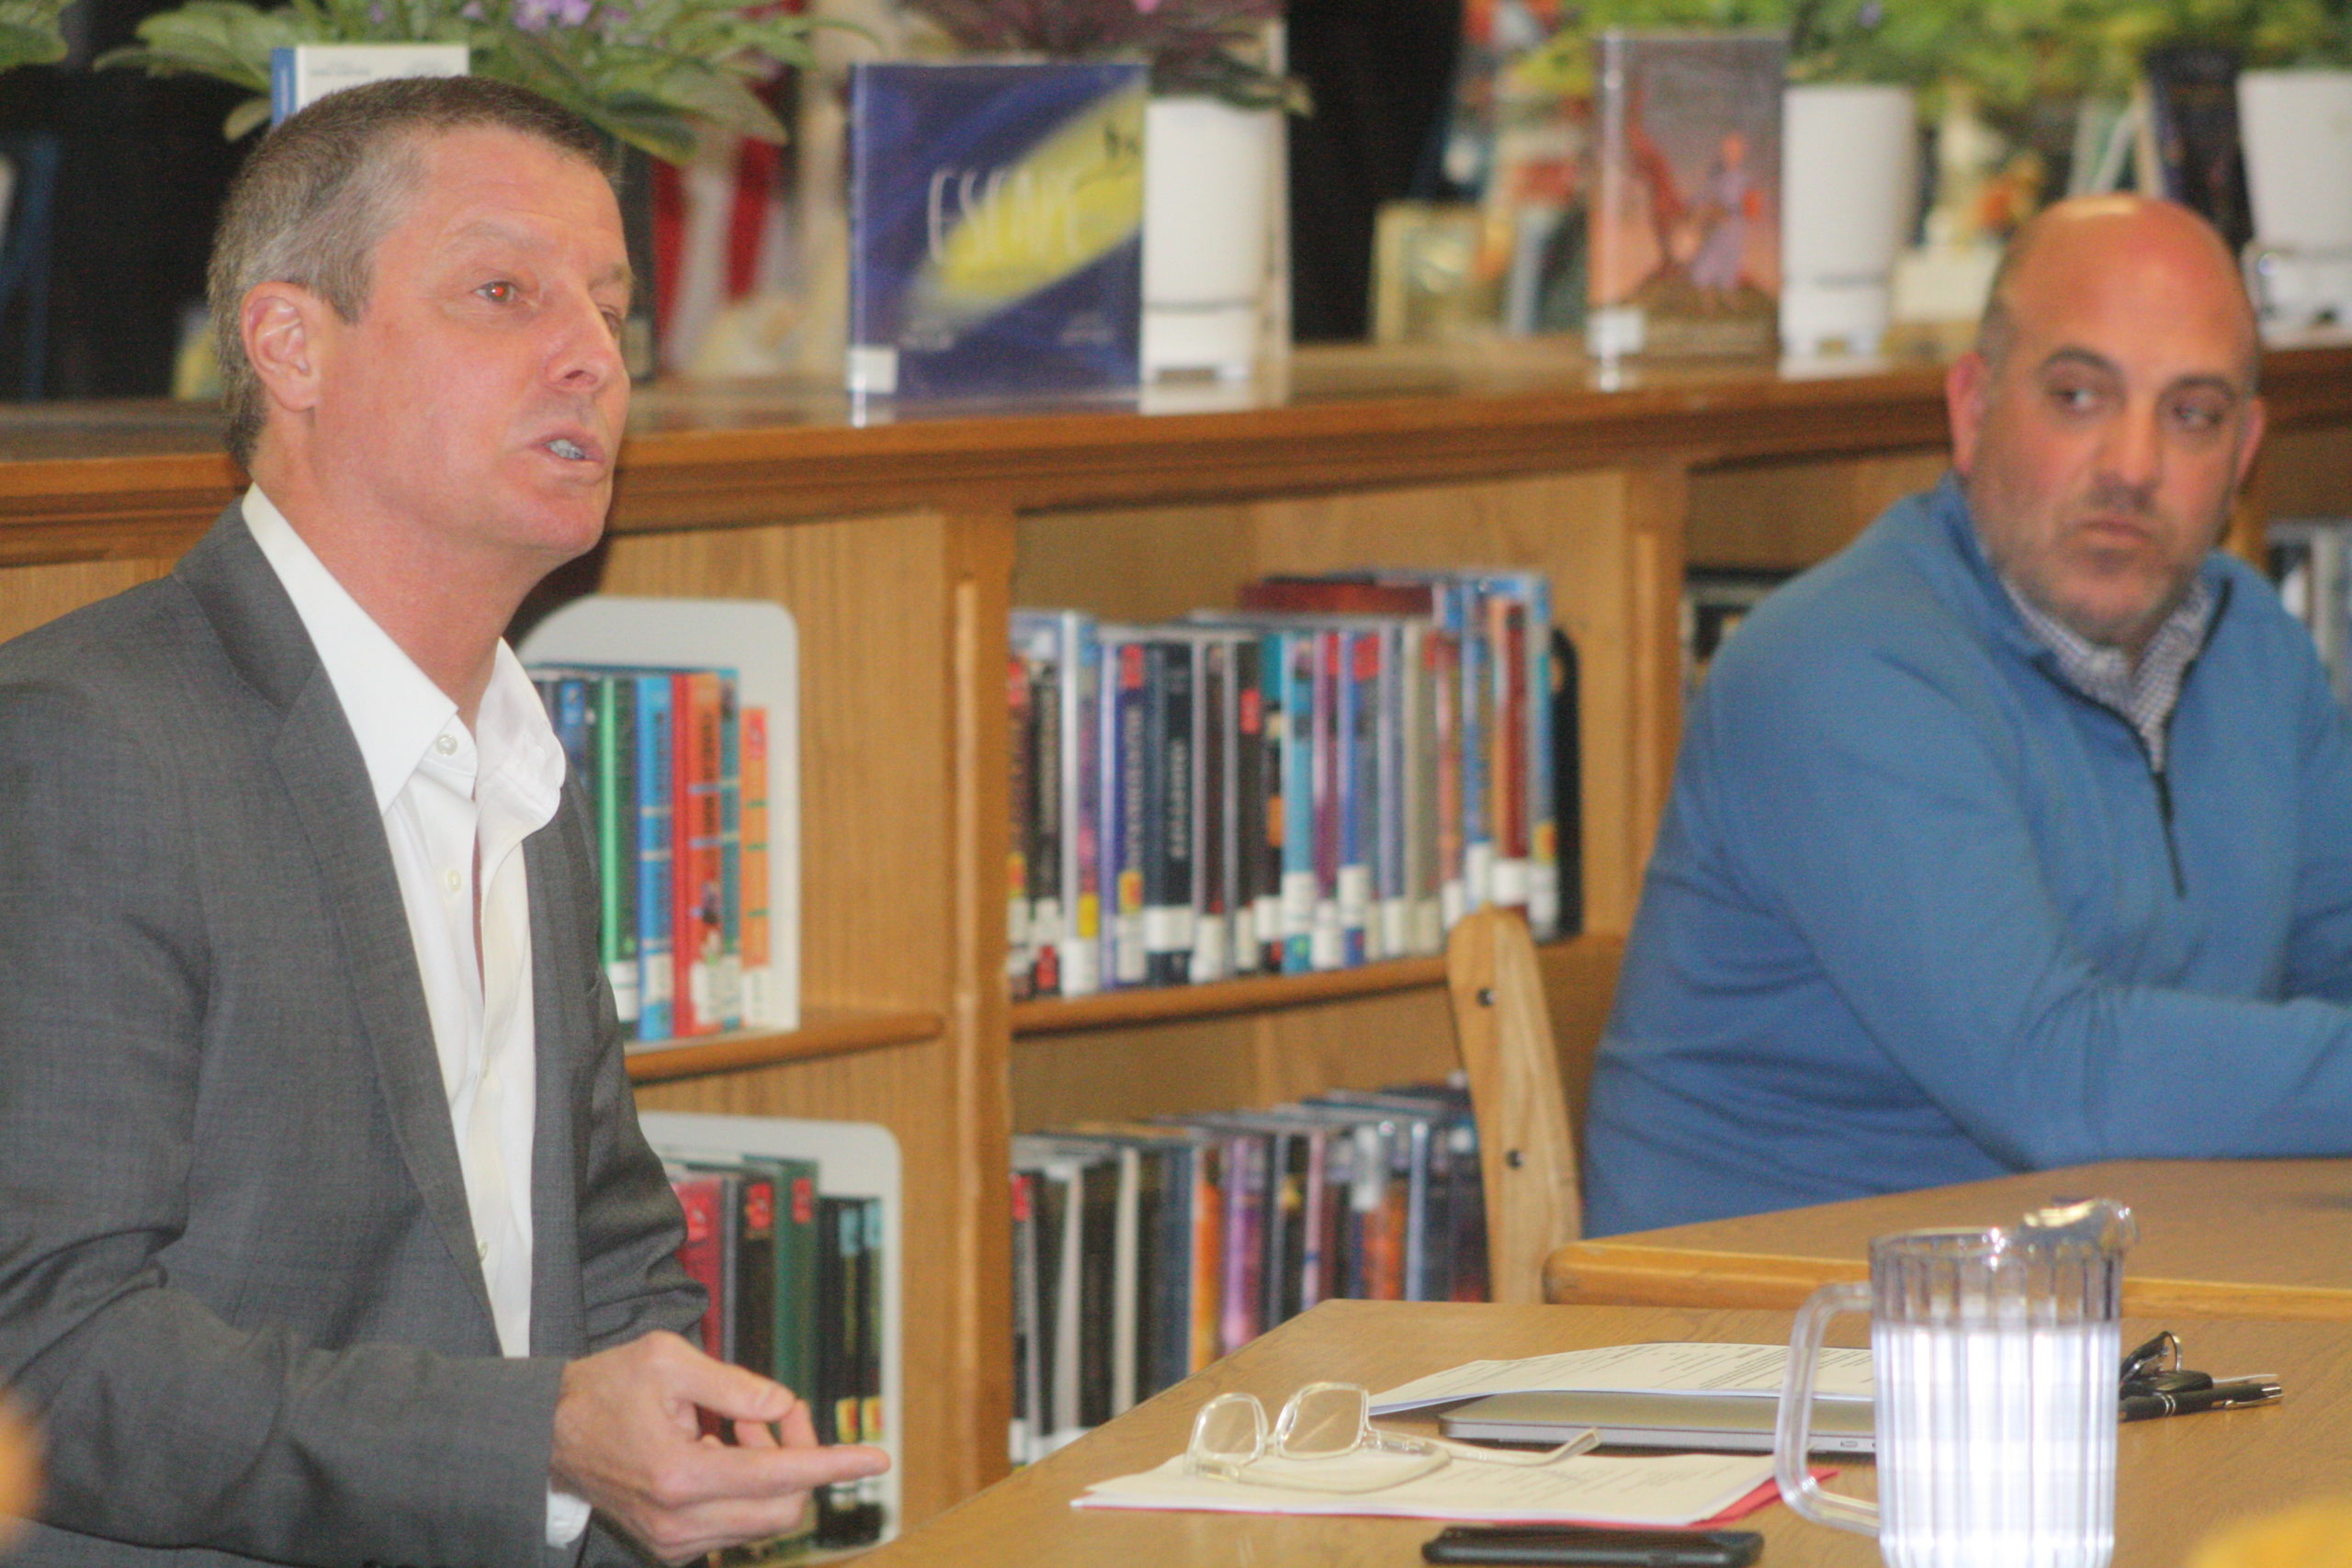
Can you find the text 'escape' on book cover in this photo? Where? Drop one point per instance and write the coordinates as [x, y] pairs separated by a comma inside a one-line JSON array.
[[996, 228], [1686, 214]]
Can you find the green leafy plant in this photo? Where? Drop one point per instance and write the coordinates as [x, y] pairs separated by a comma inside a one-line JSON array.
[[2265, 32], [645, 71], [1193, 46], [29, 32], [2008, 55]]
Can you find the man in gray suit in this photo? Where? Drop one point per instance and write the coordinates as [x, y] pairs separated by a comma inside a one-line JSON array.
[[327, 1234]]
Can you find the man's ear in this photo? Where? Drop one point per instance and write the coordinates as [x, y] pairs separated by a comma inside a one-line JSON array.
[[1967, 385], [282, 326], [2257, 419]]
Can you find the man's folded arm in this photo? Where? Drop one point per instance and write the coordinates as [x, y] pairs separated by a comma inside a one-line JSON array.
[[2319, 955], [1925, 901]]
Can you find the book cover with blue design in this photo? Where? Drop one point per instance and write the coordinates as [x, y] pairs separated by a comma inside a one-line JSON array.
[[996, 229]]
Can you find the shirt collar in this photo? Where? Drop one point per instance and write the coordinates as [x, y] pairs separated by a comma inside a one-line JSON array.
[[2096, 663], [394, 709], [2145, 693]]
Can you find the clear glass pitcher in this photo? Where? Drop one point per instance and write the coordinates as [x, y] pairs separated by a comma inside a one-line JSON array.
[[1995, 1356]]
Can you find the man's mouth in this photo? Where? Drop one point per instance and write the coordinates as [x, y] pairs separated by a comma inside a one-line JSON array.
[[567, 449]]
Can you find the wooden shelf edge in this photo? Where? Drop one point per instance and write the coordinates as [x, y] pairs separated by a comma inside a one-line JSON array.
[[823, 1031], [1067, 1015]]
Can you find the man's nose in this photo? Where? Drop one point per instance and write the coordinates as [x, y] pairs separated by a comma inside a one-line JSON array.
[[586, 353], [2132, 456]]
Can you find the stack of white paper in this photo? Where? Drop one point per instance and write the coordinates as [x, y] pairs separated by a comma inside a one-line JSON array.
[[1671, 1489]]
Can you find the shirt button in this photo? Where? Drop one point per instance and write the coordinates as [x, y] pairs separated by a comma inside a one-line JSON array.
[[452, 881], [445, 744]]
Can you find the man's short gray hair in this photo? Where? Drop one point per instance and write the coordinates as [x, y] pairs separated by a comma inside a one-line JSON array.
[[315, 197]]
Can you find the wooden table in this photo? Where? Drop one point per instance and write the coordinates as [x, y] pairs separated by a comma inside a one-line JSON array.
[[2218, 1238], [2177, 1478]]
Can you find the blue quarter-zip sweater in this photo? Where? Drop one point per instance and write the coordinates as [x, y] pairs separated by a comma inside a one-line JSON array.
[[1920, 912]]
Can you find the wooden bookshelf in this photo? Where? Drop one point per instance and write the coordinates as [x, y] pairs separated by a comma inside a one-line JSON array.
[[1067, 1015], [898, 547], [824, 1032]]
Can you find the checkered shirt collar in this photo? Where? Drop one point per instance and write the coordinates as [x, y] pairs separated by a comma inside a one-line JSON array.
[[2145, 697]]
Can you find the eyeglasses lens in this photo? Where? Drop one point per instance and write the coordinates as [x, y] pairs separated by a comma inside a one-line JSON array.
[[1230, 1427], [1324, 1421]]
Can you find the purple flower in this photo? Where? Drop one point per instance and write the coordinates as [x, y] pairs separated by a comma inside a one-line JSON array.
[[537, 16]]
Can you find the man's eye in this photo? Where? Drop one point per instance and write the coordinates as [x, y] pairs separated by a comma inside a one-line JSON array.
[[2198, 414], [500, 292], [2074, 397]]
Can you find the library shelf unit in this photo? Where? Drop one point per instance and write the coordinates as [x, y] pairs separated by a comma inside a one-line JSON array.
[[899, 546]]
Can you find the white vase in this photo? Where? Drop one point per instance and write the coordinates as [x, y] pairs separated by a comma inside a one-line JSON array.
[[1849, 167], [2297, 130], [1209, 180]]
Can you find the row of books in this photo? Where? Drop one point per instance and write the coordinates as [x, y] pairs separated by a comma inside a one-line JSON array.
[[796, 1274], [1142, 1252], [676, 770], [1330, 775]]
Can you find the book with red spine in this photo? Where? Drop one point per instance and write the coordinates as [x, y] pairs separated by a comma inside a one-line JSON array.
[[696, 860], [1019, 971], [703, 1255], [755, 859], [1508, 750]]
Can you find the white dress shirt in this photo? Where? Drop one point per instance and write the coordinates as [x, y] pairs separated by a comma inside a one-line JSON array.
[[456, 806]]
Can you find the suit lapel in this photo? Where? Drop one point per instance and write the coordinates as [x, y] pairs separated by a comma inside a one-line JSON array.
[[553, 859], [326, 781]]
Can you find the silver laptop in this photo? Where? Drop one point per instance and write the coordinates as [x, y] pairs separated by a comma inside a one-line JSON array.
[[1742, 1425]]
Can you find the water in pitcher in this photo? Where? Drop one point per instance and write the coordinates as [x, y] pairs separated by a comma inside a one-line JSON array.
[[1974, 1476]]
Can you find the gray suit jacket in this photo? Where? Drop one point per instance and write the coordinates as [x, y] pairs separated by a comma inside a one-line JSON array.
[[237, 1276]]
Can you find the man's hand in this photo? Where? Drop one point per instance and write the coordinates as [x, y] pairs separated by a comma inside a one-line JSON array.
[[628, 1439]]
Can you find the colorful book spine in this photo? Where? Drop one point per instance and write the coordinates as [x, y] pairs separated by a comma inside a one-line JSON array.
[[728, 980], [1357, 802], [656, 884], [870, 1427], [1168, 778], [842, 1229], [1082, 802], [702, 1253], [1301, 780], [1212, 955], [1506, 746], [1126, 811], [698, 937], [1022, 1442], [1046, 935], [1254, 894], [1020, 797], [1466, 611], [757, 940], [617, 841], [1326, 947], [1544, 909]]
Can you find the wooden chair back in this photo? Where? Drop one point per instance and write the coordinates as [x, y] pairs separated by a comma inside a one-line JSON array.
[[1527, 1153]]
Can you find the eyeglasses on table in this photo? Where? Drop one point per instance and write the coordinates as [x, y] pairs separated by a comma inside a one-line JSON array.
[[1324, 1423]]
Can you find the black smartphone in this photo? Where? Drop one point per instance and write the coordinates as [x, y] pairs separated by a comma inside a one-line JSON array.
[[1572, 1543]]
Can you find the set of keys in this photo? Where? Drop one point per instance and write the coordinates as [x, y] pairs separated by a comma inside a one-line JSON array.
[[2156, 1383]]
